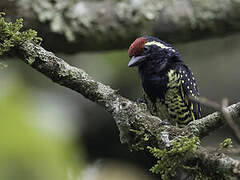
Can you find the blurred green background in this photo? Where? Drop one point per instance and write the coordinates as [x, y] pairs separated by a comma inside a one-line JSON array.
[[51, 132]]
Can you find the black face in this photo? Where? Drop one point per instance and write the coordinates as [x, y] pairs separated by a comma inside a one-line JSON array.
[[150, 51], [156, 59]]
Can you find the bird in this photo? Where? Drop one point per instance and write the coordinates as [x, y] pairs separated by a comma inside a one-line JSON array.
[[168, 83]]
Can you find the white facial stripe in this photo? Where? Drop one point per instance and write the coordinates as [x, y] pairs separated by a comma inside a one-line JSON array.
[[159, 45]]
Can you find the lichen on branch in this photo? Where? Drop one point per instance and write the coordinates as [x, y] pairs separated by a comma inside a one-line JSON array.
[[11, 34], [77, 25]]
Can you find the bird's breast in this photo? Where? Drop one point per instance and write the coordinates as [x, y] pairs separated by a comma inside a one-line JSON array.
[[155, 86]]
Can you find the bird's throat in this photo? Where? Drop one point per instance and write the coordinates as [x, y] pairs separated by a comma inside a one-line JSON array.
[[154, 84]]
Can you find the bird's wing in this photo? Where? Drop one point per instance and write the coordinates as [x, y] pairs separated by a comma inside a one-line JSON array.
[[189, 88], [178, 108]]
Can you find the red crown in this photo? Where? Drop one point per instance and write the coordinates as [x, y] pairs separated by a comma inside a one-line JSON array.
[[137, 46]]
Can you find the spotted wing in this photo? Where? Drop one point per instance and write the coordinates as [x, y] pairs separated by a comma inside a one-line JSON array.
[[189, 88]]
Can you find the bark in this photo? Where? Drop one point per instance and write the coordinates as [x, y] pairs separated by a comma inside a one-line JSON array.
[[75, 25], [138, 128]]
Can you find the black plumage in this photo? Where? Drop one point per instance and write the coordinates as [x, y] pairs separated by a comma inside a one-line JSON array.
[[167, 81]]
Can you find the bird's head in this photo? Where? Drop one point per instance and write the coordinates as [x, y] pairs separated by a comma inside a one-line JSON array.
[[151, 50]]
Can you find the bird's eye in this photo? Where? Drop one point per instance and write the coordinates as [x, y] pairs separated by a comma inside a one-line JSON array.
[[146, 49]]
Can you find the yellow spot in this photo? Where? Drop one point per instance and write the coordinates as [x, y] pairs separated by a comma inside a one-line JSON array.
[[188, 87]]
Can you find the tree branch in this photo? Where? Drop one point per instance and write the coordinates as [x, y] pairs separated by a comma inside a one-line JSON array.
[[129, 116], [202, 127], [218, 162], [81, 25], [221, 108]]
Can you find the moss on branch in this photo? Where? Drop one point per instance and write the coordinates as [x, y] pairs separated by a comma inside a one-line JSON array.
[[11, 34], [174, 158]]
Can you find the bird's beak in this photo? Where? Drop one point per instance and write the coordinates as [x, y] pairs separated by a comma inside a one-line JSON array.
[[134, 61]]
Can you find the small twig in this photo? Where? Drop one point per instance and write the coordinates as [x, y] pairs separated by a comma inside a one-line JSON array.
[[221, 108], [229, 119], [207, 102], [233, 151]]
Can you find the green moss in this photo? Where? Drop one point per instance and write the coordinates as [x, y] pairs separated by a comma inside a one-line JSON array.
[[226, 144], [173, 158], [140, 138], [11, 34]]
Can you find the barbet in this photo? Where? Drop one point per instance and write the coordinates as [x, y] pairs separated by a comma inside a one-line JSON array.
[[167, 81]]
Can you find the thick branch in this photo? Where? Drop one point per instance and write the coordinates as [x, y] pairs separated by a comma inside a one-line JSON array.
[[89, 24], [129, 116]]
